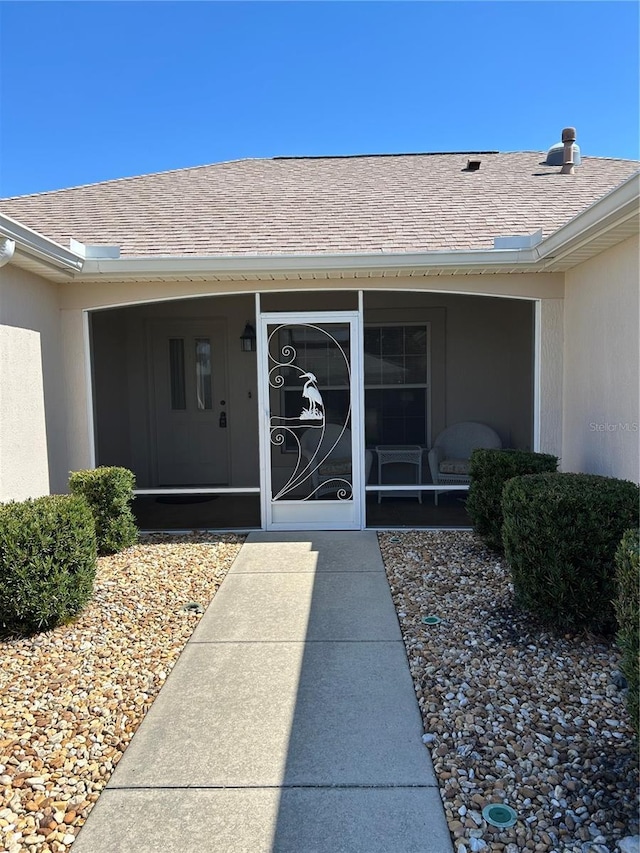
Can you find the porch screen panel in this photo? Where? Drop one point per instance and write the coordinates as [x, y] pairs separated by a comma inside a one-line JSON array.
[[310, 412]]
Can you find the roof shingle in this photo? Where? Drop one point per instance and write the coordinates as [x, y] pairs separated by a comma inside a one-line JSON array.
[[393, 203]]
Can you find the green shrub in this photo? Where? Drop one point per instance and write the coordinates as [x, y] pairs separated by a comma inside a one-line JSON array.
[[47, 561], [109, 493], [560, 536], [490, 470], [627, 608]]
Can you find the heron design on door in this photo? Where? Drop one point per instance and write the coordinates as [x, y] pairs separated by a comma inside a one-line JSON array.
[[309, 425], [311, 393]]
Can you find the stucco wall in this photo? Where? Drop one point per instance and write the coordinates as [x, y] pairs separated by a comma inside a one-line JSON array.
[[24, 469], [550, 345], [521, 285], [601, 375], [30, 303]]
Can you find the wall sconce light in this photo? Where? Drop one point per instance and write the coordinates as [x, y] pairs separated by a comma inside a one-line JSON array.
[[248, 339]]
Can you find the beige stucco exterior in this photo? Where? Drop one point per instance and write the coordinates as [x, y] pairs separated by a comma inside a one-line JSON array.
[[104, 294], [549, 388], [31, 384], [24, 469], [586, 356], [601, 376]]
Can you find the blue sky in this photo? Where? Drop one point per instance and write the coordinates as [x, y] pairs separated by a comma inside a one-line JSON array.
[[91, 91]]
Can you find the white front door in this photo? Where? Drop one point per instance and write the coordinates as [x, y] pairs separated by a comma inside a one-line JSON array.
[[311, 424], [188, 359]]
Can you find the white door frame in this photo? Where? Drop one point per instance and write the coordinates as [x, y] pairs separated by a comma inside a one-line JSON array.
[[312, 514]]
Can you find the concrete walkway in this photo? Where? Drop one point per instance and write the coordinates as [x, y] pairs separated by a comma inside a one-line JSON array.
[[288, 725]]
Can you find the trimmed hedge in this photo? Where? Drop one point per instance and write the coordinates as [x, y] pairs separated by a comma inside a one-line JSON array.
[[560, 536], [109, 493], [627, 608], [490, 470], [47, 561]]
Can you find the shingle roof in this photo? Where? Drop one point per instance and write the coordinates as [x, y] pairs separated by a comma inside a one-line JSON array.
[[390, 203]]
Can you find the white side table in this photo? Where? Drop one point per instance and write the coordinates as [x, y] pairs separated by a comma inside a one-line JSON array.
[[409, 454]]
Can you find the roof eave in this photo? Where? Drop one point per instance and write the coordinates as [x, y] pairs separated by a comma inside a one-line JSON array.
[[616, 214], [342, 263], [42, 249]]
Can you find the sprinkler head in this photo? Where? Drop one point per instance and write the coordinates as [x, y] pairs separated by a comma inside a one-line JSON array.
[[499, 815]]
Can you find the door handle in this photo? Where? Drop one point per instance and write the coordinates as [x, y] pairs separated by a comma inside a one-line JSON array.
[[223, 420]]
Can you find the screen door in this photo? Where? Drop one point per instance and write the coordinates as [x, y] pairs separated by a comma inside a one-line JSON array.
[[311, 436]]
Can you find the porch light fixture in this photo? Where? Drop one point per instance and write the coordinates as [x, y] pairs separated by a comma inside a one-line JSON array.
[[248, 339]]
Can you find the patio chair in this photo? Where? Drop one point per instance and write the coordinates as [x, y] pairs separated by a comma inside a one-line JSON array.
[[325, 472], [449, 456]]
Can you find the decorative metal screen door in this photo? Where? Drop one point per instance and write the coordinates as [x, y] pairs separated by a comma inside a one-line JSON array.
[[311, 425]]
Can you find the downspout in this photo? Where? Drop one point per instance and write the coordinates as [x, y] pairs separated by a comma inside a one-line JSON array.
[[7, 248]]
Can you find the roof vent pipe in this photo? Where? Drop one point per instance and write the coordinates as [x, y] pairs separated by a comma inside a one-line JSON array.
[[7, 248], [568, 138]]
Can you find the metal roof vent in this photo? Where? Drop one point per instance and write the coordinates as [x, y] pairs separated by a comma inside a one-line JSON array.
[[555, 155], [473, 165]]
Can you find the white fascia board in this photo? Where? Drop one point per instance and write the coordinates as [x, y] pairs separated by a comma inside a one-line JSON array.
[[32, 243], [346, 263]]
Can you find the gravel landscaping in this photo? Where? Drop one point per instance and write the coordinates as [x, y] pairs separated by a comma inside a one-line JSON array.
[[513, 714], [72, 698]]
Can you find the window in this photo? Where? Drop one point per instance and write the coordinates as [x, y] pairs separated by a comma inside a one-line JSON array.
[[184, 362], [176, 373], [203, 374], [396, 377]]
